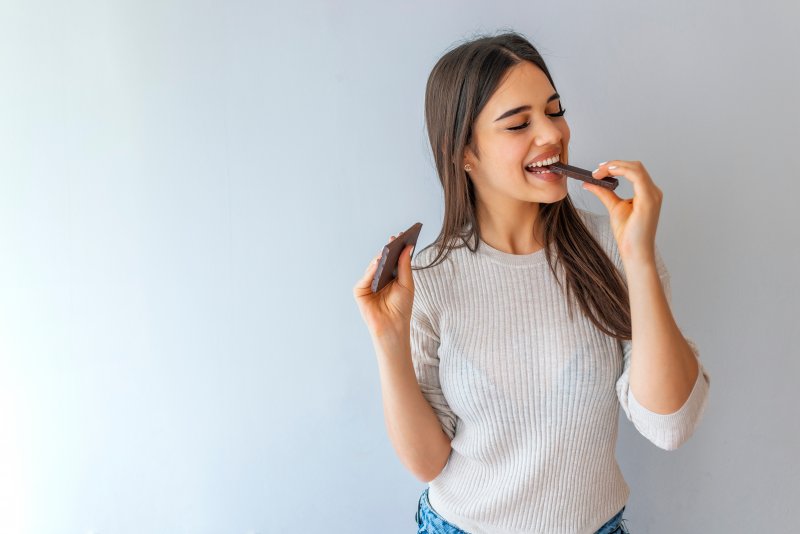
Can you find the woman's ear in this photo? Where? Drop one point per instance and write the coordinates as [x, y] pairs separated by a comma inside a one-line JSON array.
[[469, 156]]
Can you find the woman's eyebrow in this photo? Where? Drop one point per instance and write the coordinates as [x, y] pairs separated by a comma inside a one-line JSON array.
[[516, 110]]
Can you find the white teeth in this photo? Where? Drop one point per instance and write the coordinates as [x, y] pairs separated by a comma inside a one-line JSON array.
[[545, 162]]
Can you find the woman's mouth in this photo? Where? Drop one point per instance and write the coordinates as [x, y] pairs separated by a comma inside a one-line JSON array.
[[544, 173], [538, 170], [542, 163]]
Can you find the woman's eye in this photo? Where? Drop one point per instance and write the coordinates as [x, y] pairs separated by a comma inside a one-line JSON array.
[[556, 114]]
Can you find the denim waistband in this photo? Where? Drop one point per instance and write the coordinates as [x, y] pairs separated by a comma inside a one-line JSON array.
[[431, 516]]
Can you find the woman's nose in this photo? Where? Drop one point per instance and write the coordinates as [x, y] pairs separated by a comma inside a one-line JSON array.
[[548, 133]]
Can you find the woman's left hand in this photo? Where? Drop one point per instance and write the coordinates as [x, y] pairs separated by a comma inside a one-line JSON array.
[[633, 223]]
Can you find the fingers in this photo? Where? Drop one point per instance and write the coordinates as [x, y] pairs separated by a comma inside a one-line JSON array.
[[618, 167], [404, 277], [644, 189], [364, 285]]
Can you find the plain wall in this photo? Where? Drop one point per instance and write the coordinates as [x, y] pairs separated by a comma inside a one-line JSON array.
[[190, 190]]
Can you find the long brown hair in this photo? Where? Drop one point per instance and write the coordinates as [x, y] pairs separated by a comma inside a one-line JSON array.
[[460, 84]]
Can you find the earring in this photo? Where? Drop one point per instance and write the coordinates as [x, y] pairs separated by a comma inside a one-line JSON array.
[[467, 167]]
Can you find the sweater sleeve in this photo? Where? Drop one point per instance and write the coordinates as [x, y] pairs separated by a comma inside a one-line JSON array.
[[425, 357], [667, 431]]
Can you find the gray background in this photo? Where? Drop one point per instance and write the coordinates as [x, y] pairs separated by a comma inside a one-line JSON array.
[[189, 191]]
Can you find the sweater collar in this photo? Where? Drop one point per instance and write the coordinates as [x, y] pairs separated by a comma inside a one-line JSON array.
[[506, 258]]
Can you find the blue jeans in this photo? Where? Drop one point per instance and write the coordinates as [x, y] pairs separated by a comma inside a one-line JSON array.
[[430, 522]]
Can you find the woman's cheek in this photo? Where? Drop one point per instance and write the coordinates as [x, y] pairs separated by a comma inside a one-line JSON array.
[[565, 133]]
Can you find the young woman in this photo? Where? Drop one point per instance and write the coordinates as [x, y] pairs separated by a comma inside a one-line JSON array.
[[495, 392]]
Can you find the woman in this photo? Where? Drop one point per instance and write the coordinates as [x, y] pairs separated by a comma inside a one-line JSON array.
[[494, 391]]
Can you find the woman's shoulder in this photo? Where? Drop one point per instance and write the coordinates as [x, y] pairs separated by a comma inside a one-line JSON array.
[[431, 269], [594, 221], [432, 277], [599, 224], [424, 259]]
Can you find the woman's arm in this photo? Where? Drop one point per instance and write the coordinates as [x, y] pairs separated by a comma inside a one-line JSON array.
[[664, 367], [413, 427]]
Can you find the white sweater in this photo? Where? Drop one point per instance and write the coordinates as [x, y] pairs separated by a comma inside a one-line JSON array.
[[529, 397]]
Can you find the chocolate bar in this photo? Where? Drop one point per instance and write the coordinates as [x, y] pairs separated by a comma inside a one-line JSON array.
[[609, 182]]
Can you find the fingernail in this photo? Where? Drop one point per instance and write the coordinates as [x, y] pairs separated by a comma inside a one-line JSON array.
[[597, 169], [603, 163], [613, 167]]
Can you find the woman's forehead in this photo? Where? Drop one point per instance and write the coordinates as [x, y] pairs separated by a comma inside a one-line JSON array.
[[524, 84]]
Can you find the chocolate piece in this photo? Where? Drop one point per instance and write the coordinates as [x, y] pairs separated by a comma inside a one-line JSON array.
[[387, 268], [609, 182]]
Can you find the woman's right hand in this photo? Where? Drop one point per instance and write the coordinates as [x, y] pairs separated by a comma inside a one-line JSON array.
[[387, 312]]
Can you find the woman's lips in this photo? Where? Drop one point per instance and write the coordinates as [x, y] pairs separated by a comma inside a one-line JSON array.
[[539, 170], [542, 173]]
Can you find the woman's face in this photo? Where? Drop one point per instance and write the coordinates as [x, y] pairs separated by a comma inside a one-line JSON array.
[[507, 144]]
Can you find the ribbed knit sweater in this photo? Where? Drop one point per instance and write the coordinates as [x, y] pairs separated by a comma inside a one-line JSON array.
[[529, 397]]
